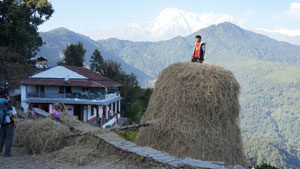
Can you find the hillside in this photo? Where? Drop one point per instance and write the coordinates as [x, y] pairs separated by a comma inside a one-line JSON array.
[[57, 40], [267, 70]]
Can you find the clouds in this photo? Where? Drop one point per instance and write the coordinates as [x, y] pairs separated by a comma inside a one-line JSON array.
[[286, 22], [170, 22], [289, 32], [173, 22], [294, 9]]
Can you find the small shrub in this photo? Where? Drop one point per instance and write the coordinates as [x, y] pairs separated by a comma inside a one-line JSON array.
[[128, 135], [265, 166]]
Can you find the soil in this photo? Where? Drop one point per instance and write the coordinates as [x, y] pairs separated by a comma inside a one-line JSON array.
[[22, 160]]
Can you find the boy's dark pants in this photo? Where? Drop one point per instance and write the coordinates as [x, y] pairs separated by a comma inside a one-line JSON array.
[[6, 137], [194, 59]]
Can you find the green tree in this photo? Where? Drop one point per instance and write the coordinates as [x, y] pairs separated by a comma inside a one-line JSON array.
[[19, 21], [74, 55], [135, 98], [136, 111], [96, 61], [111, 69]]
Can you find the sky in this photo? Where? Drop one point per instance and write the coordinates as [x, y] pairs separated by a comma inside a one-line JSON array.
[[102, 15]]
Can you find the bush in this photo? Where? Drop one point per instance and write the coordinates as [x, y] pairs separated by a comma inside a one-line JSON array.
[[128, 135], [136, 110], [265, 166]]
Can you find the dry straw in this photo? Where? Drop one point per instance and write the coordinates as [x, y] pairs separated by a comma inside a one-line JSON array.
[[40, 136], [48, 136], [194, 111]]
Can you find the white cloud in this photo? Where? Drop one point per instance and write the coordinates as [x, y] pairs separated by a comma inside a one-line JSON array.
[[294, 9], [289, 32], [168, 24]]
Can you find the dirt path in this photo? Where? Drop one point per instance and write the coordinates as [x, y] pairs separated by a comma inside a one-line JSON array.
[[22, 160]]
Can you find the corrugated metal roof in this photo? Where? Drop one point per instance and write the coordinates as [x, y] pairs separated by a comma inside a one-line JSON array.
[[88, 73], [61, 82], [93, 79], [59, 72]]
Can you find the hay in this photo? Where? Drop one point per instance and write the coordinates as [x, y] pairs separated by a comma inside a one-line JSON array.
[[84, 150], [72, 121], [194, 111], [40, 136]]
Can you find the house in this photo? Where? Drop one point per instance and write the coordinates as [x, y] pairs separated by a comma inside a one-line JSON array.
[[86, 94], [38, 62]]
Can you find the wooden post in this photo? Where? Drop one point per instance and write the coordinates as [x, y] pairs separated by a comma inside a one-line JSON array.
[[64, 92], [131, 126]]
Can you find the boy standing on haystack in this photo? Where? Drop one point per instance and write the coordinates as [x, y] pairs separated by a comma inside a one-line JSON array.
[[199, 50]]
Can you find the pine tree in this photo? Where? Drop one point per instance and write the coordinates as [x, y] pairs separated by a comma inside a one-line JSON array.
[[74, 54], [96, 61]]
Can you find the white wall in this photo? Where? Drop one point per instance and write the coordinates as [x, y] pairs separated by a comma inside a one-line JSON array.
[[85, 111], [100, 111], [116, 107], [23, 92], [70, 109], [24, 104], [90, 112], [119, 105], [50, 108], [110, 122]]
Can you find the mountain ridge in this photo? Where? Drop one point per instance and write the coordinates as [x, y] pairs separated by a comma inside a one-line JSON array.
[[265, 68]]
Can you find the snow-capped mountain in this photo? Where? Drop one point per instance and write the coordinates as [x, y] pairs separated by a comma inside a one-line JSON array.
[[291, 36], [168, 24]]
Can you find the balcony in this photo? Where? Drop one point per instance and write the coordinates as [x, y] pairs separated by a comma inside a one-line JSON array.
[[74, 96]]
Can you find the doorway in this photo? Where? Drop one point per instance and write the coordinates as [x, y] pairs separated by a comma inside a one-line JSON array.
[[78, 111]]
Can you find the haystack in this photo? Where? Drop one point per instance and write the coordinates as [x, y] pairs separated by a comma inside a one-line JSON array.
[[194, 112], [83, 150], [40, 136]]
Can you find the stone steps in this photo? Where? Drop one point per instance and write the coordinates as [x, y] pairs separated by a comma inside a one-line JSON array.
[[158, 156]]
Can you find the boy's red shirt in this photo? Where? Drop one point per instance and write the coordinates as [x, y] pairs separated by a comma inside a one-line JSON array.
[[197, 48]]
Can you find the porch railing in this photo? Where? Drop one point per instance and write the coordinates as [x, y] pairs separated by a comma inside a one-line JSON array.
[[68, 96]]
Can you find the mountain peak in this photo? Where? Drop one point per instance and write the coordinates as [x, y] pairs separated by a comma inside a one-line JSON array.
[[60, 29], [169, 23]]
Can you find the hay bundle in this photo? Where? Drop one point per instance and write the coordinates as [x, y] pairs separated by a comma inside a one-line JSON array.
[[40, 136], [83, 150], [194, 111], [72, 121]]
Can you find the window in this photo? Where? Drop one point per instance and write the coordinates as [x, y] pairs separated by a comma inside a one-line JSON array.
[[84, 89], [40, 89], [68, 90], [63, 89]]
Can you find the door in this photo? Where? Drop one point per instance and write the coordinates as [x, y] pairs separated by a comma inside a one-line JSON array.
[[78, 111]]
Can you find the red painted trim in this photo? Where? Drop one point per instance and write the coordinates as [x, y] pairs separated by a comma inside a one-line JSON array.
[[92, 119], [104, 111]]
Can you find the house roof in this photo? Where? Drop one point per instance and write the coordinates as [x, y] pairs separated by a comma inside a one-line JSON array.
[[88, 73], [39, 58], [70, 76], [59, 72]]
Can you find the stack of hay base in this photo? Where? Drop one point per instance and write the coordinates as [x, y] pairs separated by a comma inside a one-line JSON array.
[[40, 136], [194, 111]]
